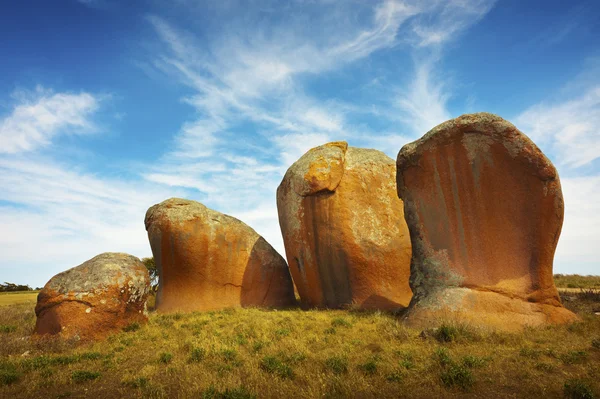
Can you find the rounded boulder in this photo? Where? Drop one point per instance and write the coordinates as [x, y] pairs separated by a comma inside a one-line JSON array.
[[485, 210], [100, 296], [207, 260], [345, 237]]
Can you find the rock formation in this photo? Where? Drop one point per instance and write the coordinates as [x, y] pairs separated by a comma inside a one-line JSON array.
[[100, 296], [343, 228], [207, 260], [485, 209]]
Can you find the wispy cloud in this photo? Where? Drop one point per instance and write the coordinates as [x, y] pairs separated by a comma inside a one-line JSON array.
[[41, 115], [568, 129], [59, 216]]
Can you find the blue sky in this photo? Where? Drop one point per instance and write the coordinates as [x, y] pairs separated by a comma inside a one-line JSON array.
[[107, 108]]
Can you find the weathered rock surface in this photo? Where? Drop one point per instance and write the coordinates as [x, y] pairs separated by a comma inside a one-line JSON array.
[[98, 297], [343, 228], [485, 210], [207, 260]]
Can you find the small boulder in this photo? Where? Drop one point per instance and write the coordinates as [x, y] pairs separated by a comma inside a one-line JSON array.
[[100, 296], [343, 227], [207, 260], [485, 210]]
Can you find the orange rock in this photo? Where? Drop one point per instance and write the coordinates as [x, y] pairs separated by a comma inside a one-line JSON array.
[[100, 296], [485, 209], [207, 260], [343, 228]]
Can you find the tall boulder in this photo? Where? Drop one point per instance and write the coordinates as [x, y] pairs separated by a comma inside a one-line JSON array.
[[343, 228], [207, 260], [485, 210], [91, 300]]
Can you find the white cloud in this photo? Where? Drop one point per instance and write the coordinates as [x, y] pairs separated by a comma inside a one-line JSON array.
[[567, 129], [57, 216], [423, 106], [42, 115], [577, 250]]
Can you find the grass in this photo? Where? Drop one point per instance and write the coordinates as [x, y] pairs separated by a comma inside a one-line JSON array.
[[19, 297], [576, 281], [252, 353]]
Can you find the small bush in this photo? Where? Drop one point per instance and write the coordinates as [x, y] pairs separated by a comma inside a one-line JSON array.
[[83, 375], [132, 327], [340, 322], [457, 375], [394, 376], [471, 361], [369, 368], [165, 357], [573, 357], [7, 328], [234, 393], [530, 353], [578, 389], [229, 354], [272, 365], [337, 364], [91, 355], [596, 343], [446, 333], [330, 331], [9, 376], [282, 332], [140, 382], [258, 346], [197, 355], [443, 356]]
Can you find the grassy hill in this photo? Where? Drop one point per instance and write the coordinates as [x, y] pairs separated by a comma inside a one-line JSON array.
[[246, 353]]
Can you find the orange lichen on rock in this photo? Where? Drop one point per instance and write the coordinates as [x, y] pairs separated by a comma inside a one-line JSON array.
[[343, 228], [485, 210], [207, 260], [100, 296]]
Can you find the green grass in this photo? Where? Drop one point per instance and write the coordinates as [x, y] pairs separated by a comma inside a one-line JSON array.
[[253, 353]]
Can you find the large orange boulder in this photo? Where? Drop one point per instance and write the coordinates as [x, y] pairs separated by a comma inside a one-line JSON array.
[[343, 228], [100, 296], [207, 260], [485, 209]]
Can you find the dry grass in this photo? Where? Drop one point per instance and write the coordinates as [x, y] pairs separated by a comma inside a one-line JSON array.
[[243, 353], [576, 281], [12, 298]]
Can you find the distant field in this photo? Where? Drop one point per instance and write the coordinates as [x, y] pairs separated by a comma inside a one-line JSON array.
[[576, 281], [14, 298]]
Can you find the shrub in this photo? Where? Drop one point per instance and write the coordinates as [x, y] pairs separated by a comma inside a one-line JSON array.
[[369, 368], [132, 327], [337, 364], [229, 354], [446, 333], [83, 375], [596, 343], [8, 374], [234, 393], [457, 375], [330, 331], [272, 365], [340, 322], [471, 361], [394, 376], [7, 328], [443, 356], [577, 389], [573, 357], [166, 357], [197, 355], [91, 355]]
